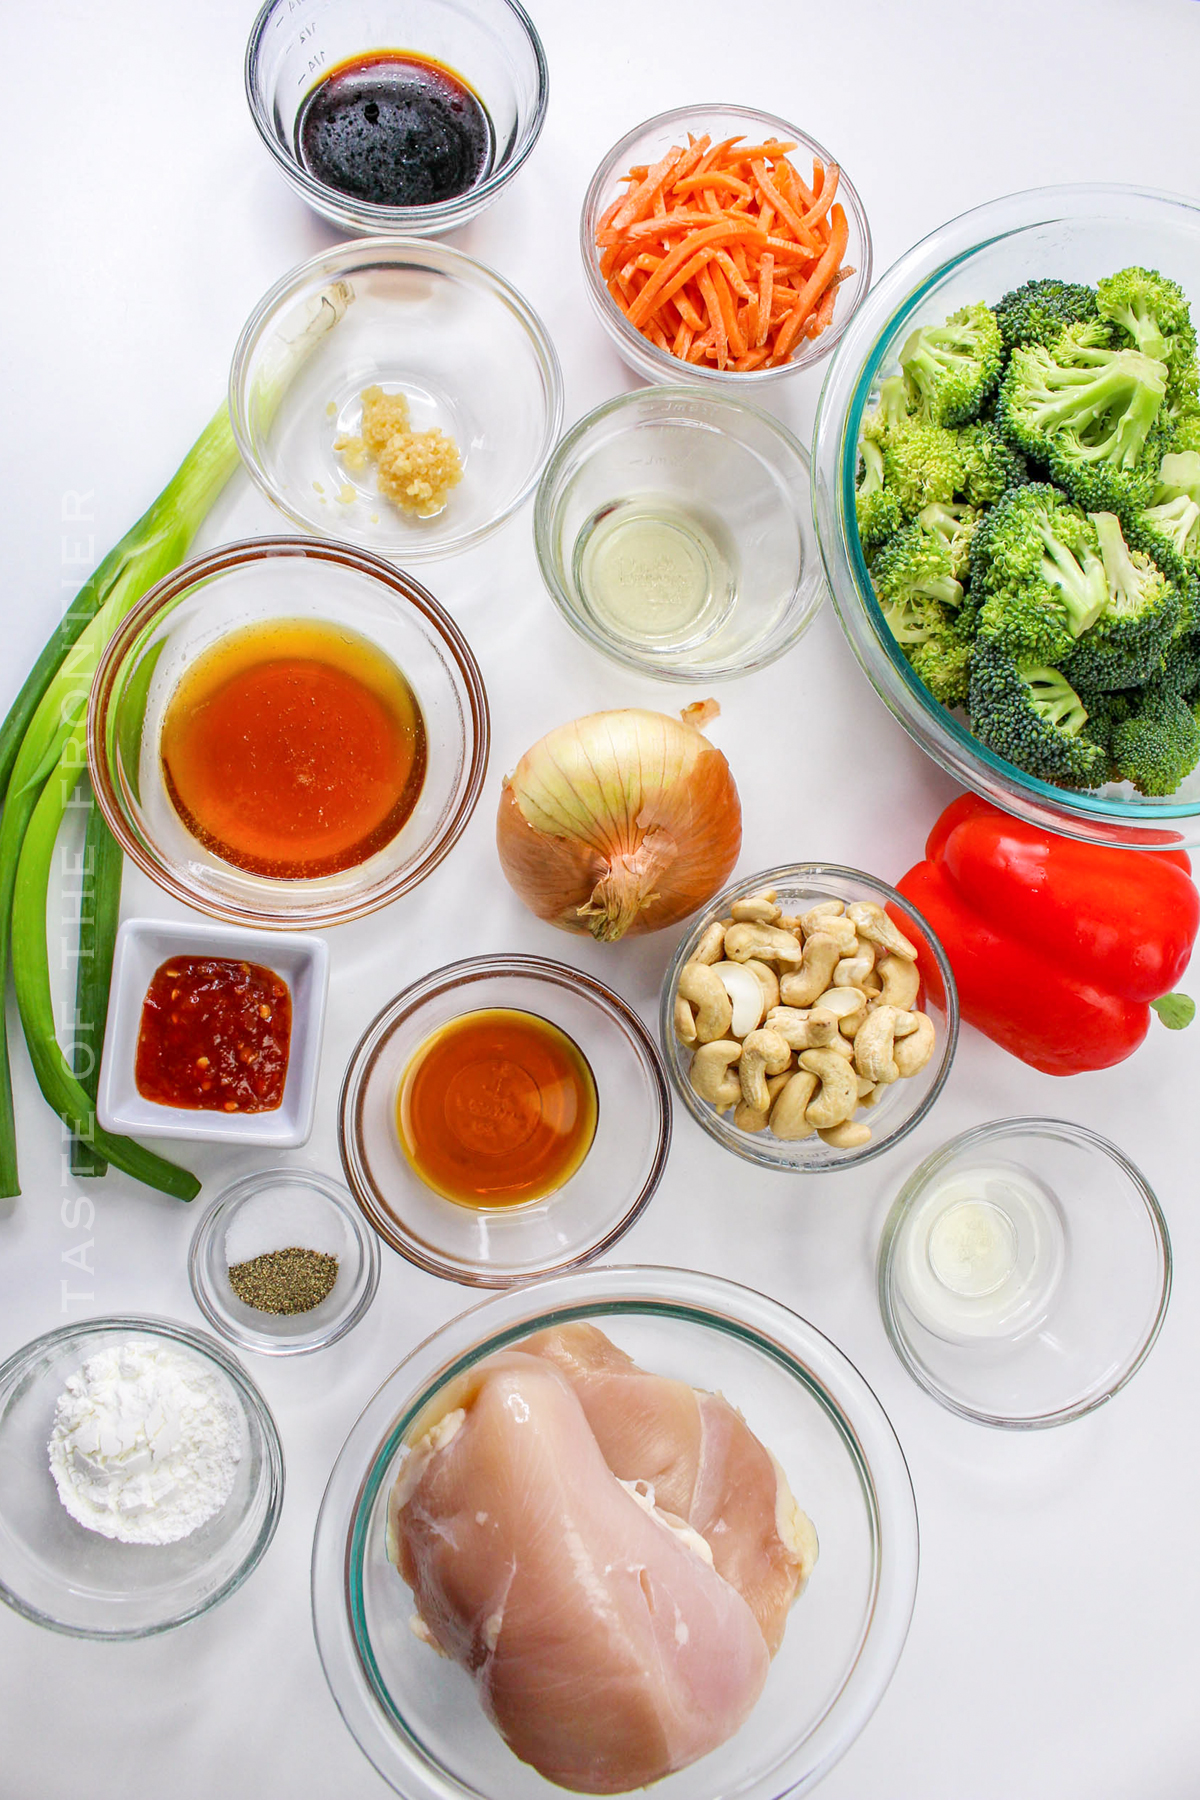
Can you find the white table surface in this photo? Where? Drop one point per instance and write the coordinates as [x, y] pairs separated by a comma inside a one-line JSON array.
[[1054, 1650]]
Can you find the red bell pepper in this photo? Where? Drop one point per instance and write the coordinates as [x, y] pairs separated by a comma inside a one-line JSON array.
[[1059, 948]]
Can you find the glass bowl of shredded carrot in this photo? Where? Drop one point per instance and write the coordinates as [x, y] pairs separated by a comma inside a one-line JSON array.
[[723, 244]]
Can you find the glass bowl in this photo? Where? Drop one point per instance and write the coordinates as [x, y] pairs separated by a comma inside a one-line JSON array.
[[1024, 1273], [471, 356], [496, 1247], [647, 143], [276, 1209], [1079, 234], [491, 43], [904, 1104], [701, 504], [417, 1717], [283, 578], [56, 1572]]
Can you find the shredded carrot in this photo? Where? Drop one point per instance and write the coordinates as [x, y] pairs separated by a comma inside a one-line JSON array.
[[723, 255]]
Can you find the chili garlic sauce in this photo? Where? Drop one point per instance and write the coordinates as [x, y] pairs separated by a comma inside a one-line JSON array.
[[395, 129], [214, 1036], [293, 749], [497, 1109]]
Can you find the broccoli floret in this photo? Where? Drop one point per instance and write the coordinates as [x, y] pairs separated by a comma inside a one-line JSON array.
[[1168, 529], [943, 663], [1126, 646], [1158, 745], [922, 463], [889, 411], [876, 507], [1181, 667], [952, 369], [1032, 717], [1036, 567], [914, 566], [1086, 411], [1185, 430], [955, 525], [990, 465], [1038, 312], [1104, 713], [1153, 314]]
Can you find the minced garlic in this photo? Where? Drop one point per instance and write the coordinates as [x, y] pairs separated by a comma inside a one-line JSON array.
[[416, 469]]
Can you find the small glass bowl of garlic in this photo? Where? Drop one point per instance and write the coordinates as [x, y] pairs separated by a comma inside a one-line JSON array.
[[809, 1018]]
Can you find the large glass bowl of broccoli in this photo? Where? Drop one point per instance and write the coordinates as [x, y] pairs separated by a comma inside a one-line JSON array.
[[1006, 481]]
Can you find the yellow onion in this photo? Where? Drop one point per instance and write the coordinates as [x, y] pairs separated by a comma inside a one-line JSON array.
[[621, 822]]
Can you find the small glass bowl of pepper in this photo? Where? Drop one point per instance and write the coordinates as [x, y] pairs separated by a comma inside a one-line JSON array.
[[283, 1262]]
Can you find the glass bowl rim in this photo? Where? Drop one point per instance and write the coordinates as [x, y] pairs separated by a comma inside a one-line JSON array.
[[999, 1129], [411, 998], [200, 1344], [405, 587], [227, 1204], [441, 215], [340, 259], [628, 335], [1074, 812], [670, 394], [785, 876]]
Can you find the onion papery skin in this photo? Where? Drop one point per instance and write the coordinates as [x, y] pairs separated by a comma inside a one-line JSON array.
[[619, 823]]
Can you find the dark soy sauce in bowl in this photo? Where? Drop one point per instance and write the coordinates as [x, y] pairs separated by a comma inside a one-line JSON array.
[[395, 129]]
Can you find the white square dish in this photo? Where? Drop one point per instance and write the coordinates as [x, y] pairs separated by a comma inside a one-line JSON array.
[[142, 946]]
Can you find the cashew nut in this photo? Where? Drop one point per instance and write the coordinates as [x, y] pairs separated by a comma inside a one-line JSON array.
[[838, 1095], [848, 1136], [872, 923], [711, 947], [816, 918], [821, 957], [768, 980], [788, 1119], [745, 1117], [865, 1088], [757, 909], [873, 1045], [685, 1021], [705, 990], [763, 1053], [764, 942], [852, 971], [901, 982], [916, 1047], [712, 1075], [803, 1030], [745, 994], [844, 1001]]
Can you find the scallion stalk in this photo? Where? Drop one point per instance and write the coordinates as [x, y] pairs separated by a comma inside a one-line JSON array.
[[99, 911]]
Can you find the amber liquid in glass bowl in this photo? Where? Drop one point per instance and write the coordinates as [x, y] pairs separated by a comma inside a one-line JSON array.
[[497, 1109], [293, 749]]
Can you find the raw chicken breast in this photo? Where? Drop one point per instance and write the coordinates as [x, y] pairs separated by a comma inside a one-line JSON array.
[[606, 1648], [703, 1462]]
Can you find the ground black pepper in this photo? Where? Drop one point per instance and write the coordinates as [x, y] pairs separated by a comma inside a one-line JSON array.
[[285, 1281]]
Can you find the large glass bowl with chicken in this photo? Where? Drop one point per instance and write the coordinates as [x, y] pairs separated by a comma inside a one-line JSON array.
[[1007, 488], [621, 1527]]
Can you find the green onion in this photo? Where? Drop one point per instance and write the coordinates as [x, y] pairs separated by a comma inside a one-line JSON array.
[[31, 978], [100, 906], [45, 725]]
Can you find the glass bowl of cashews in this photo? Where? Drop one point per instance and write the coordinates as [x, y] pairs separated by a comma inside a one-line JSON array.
[[796, 1024]]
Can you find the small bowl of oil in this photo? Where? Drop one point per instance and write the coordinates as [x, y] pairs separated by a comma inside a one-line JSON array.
[[505, 1117], [674, 531]]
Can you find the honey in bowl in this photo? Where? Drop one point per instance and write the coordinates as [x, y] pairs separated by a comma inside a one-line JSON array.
[[496, 1109], [293, 748]]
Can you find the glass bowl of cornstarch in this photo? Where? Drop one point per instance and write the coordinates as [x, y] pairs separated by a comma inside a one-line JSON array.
[[141, 1477]]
